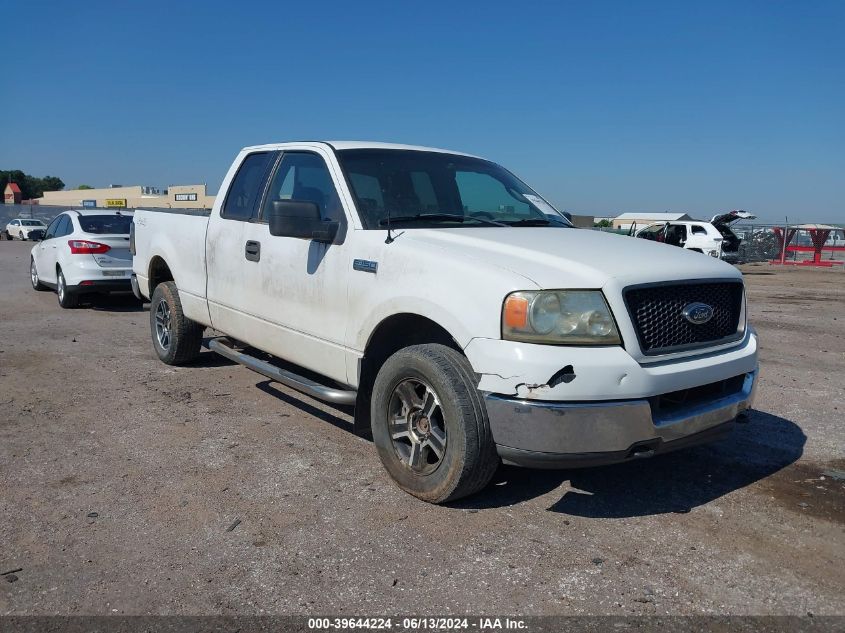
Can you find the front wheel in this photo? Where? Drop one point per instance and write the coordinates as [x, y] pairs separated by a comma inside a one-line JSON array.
[[430, 424], [176, 338]]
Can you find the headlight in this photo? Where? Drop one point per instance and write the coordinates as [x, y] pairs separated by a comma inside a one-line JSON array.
[[559, 317]]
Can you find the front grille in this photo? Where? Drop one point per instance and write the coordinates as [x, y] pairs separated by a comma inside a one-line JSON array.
[[656, 310]]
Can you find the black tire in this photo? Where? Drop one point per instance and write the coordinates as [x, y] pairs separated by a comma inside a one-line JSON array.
[[183, 338], [67, 299], [34, 279], [469, 460]]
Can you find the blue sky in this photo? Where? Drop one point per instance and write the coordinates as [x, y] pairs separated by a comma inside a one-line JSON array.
[[604, 107]]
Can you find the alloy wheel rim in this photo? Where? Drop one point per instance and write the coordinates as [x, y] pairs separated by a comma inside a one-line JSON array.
[[163, 324], [61, 287], [33, 273], [417, 426]]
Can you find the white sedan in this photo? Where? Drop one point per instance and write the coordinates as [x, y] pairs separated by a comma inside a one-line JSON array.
[[85, 251], [19, 228]]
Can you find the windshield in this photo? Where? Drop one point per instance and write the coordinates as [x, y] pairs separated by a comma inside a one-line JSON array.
[[105, 224], [433, 189], [38, 223]]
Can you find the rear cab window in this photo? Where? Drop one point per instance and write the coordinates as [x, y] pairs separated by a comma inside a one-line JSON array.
[[247, 185]]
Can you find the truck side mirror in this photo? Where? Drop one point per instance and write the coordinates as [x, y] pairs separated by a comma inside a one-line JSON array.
[[298, 218]]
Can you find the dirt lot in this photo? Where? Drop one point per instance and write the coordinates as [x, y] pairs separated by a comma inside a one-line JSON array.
[[122, 482]]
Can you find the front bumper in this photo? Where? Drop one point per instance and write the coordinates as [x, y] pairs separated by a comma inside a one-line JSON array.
[[544, 434]]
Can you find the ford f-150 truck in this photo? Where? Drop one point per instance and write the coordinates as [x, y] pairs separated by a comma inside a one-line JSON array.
[[466, 319]]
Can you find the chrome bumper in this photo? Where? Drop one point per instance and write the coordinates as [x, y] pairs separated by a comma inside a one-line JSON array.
[[566, 434]]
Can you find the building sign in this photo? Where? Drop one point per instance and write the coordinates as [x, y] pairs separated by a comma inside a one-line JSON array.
[[89, 204], [185, 197], [115, 202]]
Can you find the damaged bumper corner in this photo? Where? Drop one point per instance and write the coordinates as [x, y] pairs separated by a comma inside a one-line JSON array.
[[543, 434]]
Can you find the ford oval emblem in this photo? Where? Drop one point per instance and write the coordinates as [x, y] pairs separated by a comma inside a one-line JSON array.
[[697, 313]]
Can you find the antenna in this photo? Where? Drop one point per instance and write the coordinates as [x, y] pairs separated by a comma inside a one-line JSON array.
[[389, 239]]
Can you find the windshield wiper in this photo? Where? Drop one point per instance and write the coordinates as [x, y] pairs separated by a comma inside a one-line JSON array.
[[528, 222], [428, 217]]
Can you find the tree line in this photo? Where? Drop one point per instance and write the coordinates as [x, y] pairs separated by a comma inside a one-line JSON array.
[[31, 186]]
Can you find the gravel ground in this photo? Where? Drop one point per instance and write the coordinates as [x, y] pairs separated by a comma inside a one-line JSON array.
[[130, 487]]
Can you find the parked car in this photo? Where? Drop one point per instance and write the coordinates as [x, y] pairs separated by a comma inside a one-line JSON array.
[[714, 238], [22, 228], [429, 289], [83, 252]]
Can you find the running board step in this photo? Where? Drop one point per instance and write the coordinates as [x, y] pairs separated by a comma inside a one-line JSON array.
[[224, 346]]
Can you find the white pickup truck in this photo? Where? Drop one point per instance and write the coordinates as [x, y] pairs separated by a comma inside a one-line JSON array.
[[465, 318]]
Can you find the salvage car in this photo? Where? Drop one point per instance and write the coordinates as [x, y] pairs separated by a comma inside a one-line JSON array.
[[714, 238], [430, 290], [24, 228], [83, 252]]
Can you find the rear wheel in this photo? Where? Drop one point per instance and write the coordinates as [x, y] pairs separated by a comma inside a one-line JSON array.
[[67, 299], [176, 338], [33, 276], [430, 424]]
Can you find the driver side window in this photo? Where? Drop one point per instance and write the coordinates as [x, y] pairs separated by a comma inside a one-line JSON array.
[[304, 177]]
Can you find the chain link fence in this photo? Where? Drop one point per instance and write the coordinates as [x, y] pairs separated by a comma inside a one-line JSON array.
[[764, 242]]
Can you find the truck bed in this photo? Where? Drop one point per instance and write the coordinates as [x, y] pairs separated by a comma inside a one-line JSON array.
[[179, 240]]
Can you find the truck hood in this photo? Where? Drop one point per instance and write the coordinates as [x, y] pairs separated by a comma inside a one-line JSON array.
[[571, 258]]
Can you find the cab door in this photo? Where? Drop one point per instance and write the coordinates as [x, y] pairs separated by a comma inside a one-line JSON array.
[[296, 289]]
